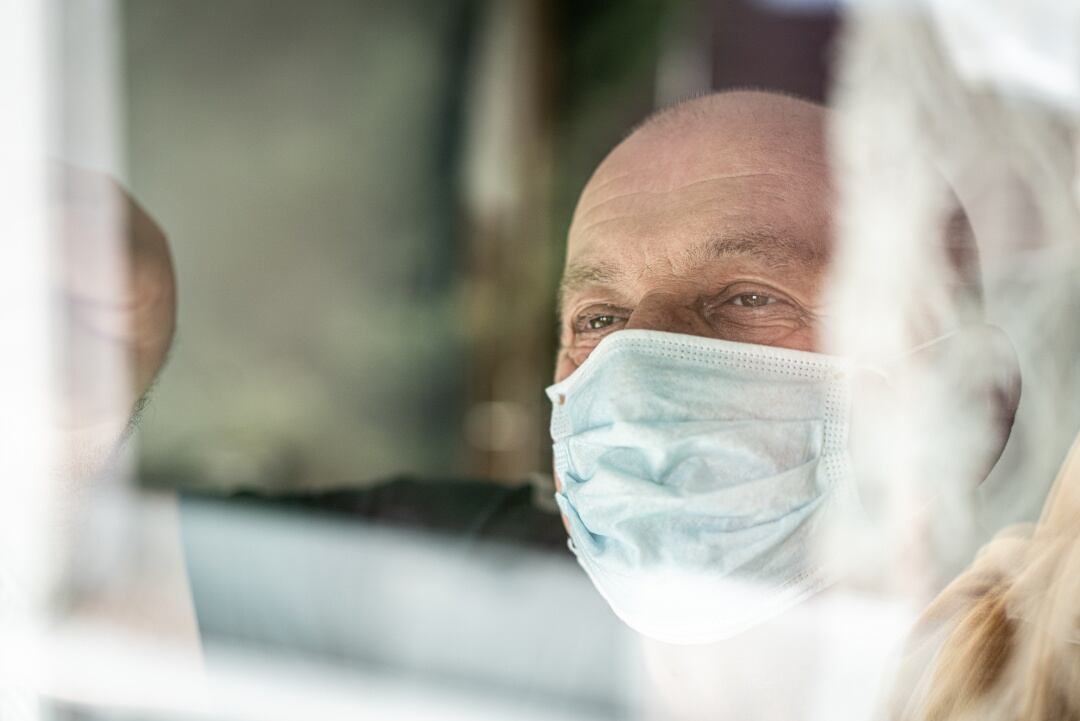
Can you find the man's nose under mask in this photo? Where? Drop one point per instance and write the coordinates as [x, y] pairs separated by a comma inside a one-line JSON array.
[[699, 478]]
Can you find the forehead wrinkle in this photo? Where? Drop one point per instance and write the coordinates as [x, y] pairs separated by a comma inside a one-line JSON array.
[[596, 206], [595, 185], [652, 270]]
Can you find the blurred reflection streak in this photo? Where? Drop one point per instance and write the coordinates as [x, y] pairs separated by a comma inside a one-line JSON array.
[[1005, 149], [1027, 49], [126, 680], [975, 101], [27, 493], [825, 660], [511, 256], [499, 623]]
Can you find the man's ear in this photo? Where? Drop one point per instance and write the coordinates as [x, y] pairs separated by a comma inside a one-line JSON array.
[[977, 375], [947, 407], [927, 427]]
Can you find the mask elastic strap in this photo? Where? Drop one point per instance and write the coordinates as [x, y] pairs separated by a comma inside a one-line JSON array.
[[926, 344], [879, 368]]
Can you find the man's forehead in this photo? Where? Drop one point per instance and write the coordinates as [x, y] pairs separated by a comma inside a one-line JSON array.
[[658, 182], [737, 175], [703, 204], [726, 134], [693, 186], [774, 217]]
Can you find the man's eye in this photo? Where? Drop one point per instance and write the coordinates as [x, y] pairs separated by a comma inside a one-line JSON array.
[[752, 300], [599, 322]]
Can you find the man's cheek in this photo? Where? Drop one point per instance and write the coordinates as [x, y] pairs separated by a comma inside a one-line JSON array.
[[564, 366]]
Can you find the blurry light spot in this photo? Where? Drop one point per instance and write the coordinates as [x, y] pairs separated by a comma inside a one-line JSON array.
[[496, 426]]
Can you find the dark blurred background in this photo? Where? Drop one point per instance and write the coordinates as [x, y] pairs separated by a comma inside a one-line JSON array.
[[367, 203]]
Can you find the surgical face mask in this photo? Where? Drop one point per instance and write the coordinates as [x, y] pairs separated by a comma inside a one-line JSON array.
[[699, 476]]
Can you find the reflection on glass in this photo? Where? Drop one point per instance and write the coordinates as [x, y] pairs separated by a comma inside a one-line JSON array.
[[276, 415]]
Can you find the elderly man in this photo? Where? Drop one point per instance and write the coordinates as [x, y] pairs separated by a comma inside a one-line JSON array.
[[701, 435], [702, 439]]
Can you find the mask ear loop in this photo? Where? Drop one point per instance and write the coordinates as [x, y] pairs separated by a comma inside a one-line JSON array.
[[885, 371], [881, 368]]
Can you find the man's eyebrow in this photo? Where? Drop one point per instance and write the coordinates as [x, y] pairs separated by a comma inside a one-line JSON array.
[[775, 249], [582, 275], [770, 247]]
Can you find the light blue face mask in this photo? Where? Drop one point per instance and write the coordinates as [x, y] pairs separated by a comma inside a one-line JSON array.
[[698, 477]]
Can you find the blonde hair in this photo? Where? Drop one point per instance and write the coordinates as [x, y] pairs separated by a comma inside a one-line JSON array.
[[1006, 634]]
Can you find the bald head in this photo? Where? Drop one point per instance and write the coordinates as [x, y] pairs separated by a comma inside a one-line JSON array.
[[711, 219], [720, 134]]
